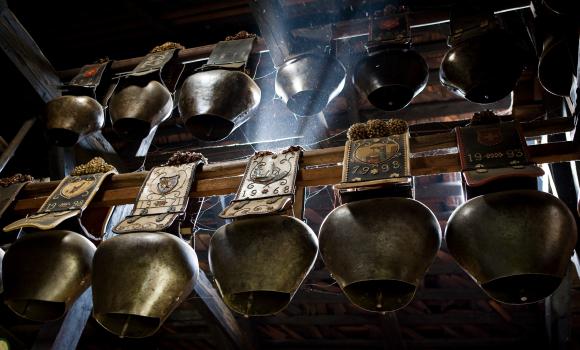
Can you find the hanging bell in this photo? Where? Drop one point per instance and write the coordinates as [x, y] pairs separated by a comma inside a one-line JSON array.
[[391, 78], [515, 244], [136, 109], [45, 272], [558, 62], [259, 263], [214, 103], [68, 118], [139, 279], [306, 83], [484, 68], [379, 249]]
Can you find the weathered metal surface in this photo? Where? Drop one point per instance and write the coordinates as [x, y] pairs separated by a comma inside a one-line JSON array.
[[139, 279], [214, 103], [259, 263], [45, 272], [378, 250], [515, 244], [306, 83], [69, 118]]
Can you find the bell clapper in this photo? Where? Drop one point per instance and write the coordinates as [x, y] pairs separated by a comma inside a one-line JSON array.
[[249, 305], [125, 326], [380, 299]]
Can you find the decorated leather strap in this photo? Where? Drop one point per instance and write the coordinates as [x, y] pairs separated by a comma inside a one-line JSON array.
[[376, 154], [230, 54], [494, 151], [162, 199], [9, 189], [268, 185], [88, 79], [159, 65], [72, 195]]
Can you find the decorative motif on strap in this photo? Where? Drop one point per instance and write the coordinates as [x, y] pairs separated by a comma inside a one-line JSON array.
[[493, 151], [162, 199], [68, 200], [376, 153], [268, 185]]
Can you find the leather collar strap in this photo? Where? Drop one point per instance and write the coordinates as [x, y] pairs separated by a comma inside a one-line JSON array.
[[268, 185], [162, 199], [68, 200], [376, 162], [231, 55], [494, 151], [87, 81], [159, 66]]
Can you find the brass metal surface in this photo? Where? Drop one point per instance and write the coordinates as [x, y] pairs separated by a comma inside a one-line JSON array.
[[391, 78], [558, 62], [136, 109], [45, 272], [482, 69], [259, 263], [378, 250], [214, 103], [306, 83], [139, 279], [68, 118], [515, 244]]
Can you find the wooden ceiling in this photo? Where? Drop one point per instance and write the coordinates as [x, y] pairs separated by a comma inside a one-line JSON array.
[[449, 312]]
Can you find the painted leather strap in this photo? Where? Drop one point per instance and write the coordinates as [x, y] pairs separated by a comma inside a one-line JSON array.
[[376, 161], [268, 185], [494, 151], [162, 199], [68, 200]]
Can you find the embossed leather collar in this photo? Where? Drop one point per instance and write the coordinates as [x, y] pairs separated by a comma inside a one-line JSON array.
[[494, 151], [376, 161], [68, 200], [268, 185], [162, 199]]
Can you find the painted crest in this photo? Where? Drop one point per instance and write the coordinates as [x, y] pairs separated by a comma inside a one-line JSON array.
[[489, 136], [167, 184], [77, 187]]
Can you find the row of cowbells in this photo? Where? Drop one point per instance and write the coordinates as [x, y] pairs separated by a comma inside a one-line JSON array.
[[516, 245], [138, 279]]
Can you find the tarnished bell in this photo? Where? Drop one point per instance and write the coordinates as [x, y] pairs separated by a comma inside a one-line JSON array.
[[214, 103], [390, 79], [139, 279], [482, 69], [557, 66], [259, 263], [306, 83], [515, 244], [378, 250], [136, 109], [68, 118], [45, 272]]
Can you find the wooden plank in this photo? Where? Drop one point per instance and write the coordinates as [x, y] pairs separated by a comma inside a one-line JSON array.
[[205, 290], [123, 188], [270, 19], [8, 153], [27, 56]]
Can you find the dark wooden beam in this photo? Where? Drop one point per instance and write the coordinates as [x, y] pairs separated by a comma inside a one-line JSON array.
[[273, 27], [220, 312]]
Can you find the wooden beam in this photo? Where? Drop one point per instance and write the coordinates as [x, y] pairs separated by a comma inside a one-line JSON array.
[[318, 167], [8, 153], [205, 290], [27, 56]]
